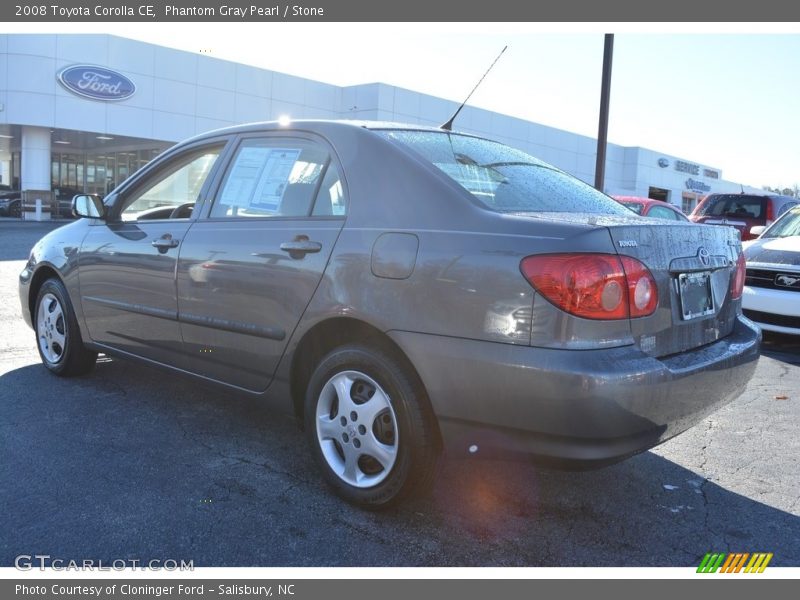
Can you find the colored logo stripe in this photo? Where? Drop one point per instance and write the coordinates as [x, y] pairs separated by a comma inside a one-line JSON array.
[[758, 563], [710, 563], [734, 562]]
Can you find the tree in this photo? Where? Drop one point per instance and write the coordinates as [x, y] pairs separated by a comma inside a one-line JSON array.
[[793, 191]]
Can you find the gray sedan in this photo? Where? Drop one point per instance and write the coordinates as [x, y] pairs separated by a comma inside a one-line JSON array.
[[401, 291]]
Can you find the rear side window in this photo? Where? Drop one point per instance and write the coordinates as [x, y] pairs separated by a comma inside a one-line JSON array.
[[502, 178], [330, 199], [662, 212], [280, 177], [734, 205]]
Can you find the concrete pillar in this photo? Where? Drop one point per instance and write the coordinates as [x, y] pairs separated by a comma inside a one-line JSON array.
[[5, 169], [35, 170]]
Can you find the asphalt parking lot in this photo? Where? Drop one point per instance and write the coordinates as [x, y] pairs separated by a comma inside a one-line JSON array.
[[130, 463]]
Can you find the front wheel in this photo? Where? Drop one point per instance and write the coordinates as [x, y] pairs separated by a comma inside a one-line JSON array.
[[370, 426], [57, 335]]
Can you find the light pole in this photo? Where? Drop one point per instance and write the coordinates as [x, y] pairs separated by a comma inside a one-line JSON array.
[[602, 133]]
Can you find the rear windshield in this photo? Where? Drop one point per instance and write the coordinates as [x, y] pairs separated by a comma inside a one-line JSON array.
[[734, 205], [505, 179]]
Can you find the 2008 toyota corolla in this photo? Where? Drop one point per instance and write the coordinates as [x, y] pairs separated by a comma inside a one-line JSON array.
[[402, 291]]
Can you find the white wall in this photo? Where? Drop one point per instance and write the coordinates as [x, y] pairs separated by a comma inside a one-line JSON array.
[[644, 171], [178, 94]]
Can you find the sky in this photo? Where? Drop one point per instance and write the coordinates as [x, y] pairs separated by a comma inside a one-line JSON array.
[[727, 97]]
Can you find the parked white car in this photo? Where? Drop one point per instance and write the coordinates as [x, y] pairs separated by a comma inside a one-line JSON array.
[[771, 295]]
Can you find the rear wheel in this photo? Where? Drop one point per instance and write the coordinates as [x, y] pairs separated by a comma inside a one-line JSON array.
[[57, 335], [370, 426]]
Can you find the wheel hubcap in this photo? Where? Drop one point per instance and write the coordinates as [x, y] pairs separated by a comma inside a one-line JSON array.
[[357, 429], [51, 329]]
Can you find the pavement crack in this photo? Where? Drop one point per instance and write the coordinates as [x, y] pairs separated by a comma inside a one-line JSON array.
[[115, 385], [784, 370], [702, 471], [238, 459]]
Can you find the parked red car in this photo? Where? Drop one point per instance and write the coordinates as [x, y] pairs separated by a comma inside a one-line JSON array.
[[647, 207], [742, 211]]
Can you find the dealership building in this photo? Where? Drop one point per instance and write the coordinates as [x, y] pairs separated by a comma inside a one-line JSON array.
[[83, 112]]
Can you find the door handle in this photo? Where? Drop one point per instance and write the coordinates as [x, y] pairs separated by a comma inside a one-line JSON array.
[[165, 242], [300, 247]]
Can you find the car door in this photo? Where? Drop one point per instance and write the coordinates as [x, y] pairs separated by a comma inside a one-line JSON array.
[[249, 268], [128, 261]]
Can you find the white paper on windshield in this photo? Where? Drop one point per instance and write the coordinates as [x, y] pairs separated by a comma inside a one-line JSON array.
[[259, 177], [244, 176], [274, 178]]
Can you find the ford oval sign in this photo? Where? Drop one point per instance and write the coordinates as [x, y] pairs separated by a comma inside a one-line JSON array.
[[97, 83]]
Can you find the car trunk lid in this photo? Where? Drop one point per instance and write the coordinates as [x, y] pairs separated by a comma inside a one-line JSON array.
[[692, 265]]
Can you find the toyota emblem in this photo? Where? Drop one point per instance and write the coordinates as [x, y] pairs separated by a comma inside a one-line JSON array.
[[704, 256]]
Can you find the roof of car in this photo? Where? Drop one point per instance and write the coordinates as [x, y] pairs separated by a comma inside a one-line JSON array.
[[391, 125], [763, 194], [299, 124], [638, 200]]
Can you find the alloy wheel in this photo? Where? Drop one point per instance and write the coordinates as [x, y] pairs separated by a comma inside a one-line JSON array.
[[357, 429]]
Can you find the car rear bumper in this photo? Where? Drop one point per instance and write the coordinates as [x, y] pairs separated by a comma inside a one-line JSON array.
[[773, 310], [583, 408]]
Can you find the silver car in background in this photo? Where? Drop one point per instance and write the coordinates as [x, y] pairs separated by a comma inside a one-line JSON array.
[[771, 294], [401, 290]]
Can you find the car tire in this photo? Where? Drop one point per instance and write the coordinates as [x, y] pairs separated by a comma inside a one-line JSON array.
[[370, 426], [58, 337]]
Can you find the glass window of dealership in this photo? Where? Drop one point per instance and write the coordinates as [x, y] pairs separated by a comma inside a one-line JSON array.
[[83, 112], [96, 170], [96, 173]]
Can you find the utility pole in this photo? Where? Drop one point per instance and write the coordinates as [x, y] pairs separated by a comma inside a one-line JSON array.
[[602, 133]]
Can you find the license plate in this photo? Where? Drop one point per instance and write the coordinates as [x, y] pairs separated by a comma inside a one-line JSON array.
[[695, 294]]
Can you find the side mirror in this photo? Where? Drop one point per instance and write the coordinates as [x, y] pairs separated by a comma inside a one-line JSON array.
[[757, 230], [89, 206]]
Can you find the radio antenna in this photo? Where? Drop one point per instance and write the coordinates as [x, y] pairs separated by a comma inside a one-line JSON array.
[[449, 125]]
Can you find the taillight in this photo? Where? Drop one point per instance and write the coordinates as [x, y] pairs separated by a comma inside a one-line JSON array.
[[770, 214], [593, 286], [642, 290], [737, 281]]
